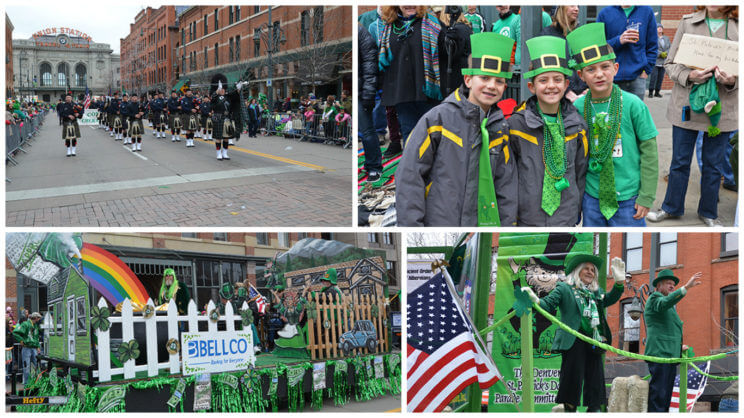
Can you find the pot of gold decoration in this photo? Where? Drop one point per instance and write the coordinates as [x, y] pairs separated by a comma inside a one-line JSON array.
[[138, 307]]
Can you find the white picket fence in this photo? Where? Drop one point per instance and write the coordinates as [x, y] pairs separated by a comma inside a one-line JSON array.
[[128, 318]]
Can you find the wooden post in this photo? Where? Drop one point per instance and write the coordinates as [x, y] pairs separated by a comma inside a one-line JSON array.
[[172, 317], [151, 340], [104, 348], [335, 300]]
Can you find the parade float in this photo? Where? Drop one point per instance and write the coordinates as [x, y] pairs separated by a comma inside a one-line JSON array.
[[109, 348]]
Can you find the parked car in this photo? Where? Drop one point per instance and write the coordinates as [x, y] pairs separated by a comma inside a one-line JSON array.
[[363, 334]]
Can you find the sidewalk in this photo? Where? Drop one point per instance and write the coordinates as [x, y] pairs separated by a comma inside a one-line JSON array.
[[727, 199]]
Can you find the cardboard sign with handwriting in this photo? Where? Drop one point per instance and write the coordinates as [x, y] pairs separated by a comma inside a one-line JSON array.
[[701, 52]]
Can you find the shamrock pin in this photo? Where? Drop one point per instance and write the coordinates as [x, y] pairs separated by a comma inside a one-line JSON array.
[[128, 351], [99, 318], [246, 317]]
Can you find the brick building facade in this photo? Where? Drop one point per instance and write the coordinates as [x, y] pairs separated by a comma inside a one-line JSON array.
[[8, 57], [147, 51], [311, 48]]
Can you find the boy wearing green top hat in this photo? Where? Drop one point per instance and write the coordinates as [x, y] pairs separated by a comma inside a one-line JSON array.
[[456, 169], [620, 130], [548, 138], [664, 336]]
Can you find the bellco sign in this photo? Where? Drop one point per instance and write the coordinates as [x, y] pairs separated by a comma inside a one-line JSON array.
[[216, 352]]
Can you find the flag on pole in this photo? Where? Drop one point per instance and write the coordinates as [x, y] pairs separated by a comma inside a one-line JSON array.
[[86, 104], [695, 386], [261, 302], [443, 356]]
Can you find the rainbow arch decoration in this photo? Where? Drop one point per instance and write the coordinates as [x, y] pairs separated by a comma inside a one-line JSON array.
[[110, 276]]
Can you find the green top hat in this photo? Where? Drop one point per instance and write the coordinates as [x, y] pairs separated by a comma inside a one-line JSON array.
[[226, 291], [663, 275], [573, 261], [491, 55], [242, 292], [330, 275], [588, 45], [547, 53]]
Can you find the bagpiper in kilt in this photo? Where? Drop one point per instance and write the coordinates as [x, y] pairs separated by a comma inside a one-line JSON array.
[[174, 116], [189, 116], [136, 129], [157, 107], [112, 111], [124, 111], [223, 127], [205, 108], [70, 112]]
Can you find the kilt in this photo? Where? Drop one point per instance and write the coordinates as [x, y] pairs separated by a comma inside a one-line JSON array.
[[190, 121], [135, 128], [206, 122], [158, 118], [224, 127], [174, 121], [117, 122], [70, 129]]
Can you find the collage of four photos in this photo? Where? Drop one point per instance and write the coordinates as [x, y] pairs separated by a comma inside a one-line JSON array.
[[237, 214]]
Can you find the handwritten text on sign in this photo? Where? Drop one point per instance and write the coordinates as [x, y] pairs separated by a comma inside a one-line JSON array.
[[215, 352], [701, 52]]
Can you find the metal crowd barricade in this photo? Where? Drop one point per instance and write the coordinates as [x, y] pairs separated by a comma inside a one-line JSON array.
[[20, 134], [313, 129]]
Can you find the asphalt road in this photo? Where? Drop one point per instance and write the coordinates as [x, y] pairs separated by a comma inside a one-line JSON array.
[[269, 181]]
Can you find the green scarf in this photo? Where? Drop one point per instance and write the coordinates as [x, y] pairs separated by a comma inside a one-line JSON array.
[[704, 99], [589, 312]]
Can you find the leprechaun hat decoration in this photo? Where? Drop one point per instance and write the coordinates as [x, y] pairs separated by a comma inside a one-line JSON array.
[[704, 99], [491, 53], [588, 46], [547, 53]]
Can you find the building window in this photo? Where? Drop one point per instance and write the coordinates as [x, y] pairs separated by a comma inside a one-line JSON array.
[[206, 58], [62, 72], [216, 20], [630, 329], [188, 234], [237, 46], [667, 249], [633, 251], [730, 316], [262, 238], [231, 53], [256, 42], [318, 25], [284, 239], [729, 244], [390, 267], [387, 238], [371, 237], [206, 25], [207, 283], [229, 15], [220, 236], [80, 75], [301, 235], [216, 54], [46, 74], [183, 36], [237, 13], [256, 9], [304, 23]]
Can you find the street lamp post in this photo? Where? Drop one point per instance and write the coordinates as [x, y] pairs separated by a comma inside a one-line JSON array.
[[271, 40]]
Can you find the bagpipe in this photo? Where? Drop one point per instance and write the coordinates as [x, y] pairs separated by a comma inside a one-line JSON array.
[[78, 110]]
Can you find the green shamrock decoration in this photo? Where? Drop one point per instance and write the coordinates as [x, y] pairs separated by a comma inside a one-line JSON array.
[[246, 317], [128, 351], [149, 311], [375, 311], [310, 310], [522, 302], [99, 318], [214, 315], [173, 346]]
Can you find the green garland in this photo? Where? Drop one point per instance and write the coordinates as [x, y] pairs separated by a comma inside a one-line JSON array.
[[610, 348], [724, 378], [392, 361], [253, 400], [367, 385], [226, 393], [340, 391]]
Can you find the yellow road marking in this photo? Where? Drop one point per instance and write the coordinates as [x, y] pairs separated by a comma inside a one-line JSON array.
[[269, 156], [394, 410]]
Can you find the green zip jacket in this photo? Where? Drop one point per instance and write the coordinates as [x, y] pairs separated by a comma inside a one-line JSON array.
[[27, 333]]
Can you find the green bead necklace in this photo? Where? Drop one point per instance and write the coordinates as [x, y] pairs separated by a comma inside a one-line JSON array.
[[554, 167], [607, 129], [402, 29]]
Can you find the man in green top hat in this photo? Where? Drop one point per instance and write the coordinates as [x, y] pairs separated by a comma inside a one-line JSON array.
[[172, 288], [227, 292], [548, 137], [620, 130], [330, 280], [456, 169], [582, 303], [664, 336]]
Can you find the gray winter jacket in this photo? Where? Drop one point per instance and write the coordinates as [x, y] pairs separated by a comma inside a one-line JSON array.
[[437, 178], [526, 142]]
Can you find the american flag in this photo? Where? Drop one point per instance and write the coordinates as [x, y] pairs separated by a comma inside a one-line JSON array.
[[443, 356], [86, 104], [260, 300], [695, 387]]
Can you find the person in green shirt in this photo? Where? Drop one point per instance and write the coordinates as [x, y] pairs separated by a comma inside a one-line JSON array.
[[27, 333], [623, 158], [582, 305], [477, 22], [510, 25], [664, 336], [546, 19]]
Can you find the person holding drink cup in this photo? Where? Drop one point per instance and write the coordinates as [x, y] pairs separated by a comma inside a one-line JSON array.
[[631, 32]]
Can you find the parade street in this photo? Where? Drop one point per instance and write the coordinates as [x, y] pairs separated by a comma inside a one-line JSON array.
[[267, 181]]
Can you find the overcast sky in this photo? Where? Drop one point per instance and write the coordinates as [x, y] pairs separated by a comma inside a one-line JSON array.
[[104, 21]]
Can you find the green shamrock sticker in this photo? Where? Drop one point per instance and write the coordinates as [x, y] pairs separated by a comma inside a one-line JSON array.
[[128, 351], [99, 318]]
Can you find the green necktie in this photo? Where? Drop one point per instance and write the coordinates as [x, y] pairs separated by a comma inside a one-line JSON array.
[[551, 192], [607, 193], [488, 211]]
